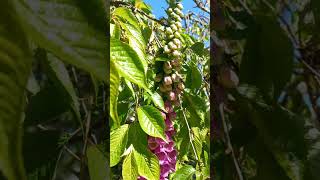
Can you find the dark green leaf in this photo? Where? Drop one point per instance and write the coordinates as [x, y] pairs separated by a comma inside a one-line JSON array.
[[64, 30], [198, 48], [268, 58], [15, 68], [97, 164]]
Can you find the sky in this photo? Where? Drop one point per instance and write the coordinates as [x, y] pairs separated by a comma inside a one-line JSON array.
[[159, 6]]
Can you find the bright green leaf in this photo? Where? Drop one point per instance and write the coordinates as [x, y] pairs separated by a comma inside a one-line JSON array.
[[186, 173], [148, 164], [151, 121], [127, 62], [126, 14], [130, 168], [114, 92], [118, 142]]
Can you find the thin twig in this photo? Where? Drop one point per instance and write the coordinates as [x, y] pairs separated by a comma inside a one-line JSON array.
[[190, 135], [71, 153], [56, 166], [134, 9], [201, 6], [226, 131]]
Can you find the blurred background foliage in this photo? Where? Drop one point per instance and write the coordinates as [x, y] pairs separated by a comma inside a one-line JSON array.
[[266, 89], [53, 78]]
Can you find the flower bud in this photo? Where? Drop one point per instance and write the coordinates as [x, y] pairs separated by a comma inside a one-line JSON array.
[[177, 35], [171, 36], [169, 31], [175, 62], [166, 49], [176, 53], [164, 116], [158, 77], [180, 6], [167, 65], [168, 87], [167, 80], [172, 96], [170, 10], [178, 18], [177, 10], [174, 27], [173, 14], [168, 71], [168, 107], [176, 41], [162, 28], [175, 77], [172, 45], [162, 88], [181, 86]]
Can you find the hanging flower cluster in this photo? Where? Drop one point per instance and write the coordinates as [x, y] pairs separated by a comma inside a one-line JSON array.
[[171, 88]]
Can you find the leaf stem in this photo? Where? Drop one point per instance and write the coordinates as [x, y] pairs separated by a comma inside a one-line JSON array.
[[190, 135]]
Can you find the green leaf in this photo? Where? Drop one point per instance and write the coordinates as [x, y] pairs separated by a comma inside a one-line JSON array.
[[137, 43], [33, 85], [197, 140], [198, 48], [186, 172], [126, 14], [115, 31], [97, 164], [194, 78], [63, 80], [197, 108], [15, 68], [157, 100], [268, 58], [114, 92], [130, 168], [39, 110], [151, 121], [127, 62], [63, 29], [118, 142], [148, 164]]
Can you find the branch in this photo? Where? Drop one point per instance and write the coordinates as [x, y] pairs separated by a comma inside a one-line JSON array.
[[134, 9], [201, 6]]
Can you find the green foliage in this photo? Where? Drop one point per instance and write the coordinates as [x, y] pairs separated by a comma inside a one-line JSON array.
[[41, 90], [137, 55]]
